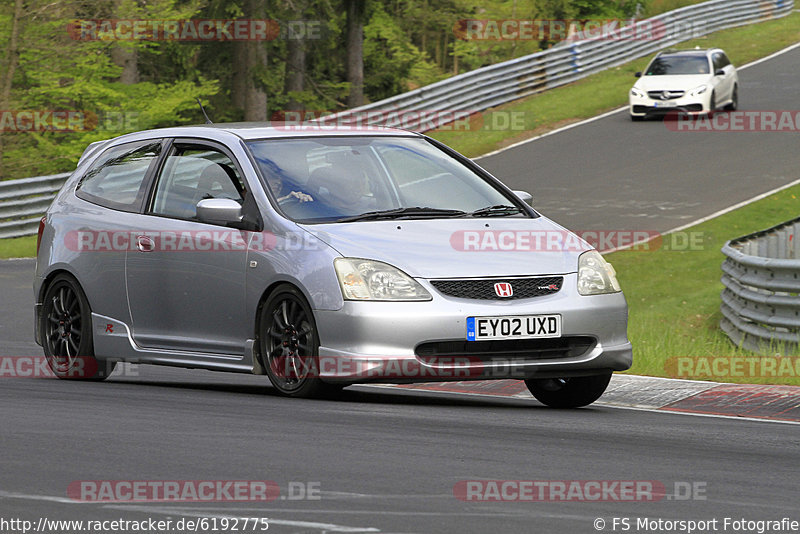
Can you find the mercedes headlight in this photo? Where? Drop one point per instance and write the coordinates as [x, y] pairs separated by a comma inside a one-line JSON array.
[[595, 275], [375, 280], [636, 92], [697, 91]]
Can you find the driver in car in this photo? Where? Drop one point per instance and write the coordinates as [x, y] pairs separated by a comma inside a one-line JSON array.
[[283, 191]]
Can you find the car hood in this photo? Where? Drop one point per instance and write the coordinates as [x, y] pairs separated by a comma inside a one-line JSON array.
[[677, 83], [459, 248]]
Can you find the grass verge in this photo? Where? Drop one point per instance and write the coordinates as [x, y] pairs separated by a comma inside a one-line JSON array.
[[603, 91], [674, 296], [18, 247]]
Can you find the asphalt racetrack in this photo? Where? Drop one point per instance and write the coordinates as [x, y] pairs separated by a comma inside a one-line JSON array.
[[381, 460]]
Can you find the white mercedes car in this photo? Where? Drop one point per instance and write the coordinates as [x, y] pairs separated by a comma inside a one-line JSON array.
[[687, 81]]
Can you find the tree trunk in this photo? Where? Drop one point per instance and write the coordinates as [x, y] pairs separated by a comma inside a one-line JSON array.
[[127, 58], [8, 76], [355, 52], [437, 52], [294, 79], [444, 52], [238, 86], [250, 61], [255, 102]]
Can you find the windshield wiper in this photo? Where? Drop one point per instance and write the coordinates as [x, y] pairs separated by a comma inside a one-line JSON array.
[[398, 213], [500, 209]]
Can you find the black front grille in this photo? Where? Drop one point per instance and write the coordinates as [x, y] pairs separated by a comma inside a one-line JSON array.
[[659, 95], [483, 289], [667, 111], [506, 349]]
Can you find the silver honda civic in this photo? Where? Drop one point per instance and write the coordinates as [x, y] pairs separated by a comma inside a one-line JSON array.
[[322, 257]]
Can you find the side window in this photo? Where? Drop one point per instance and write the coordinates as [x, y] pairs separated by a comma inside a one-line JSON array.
[[724, 59], [116, 179], [192, 173], [718, 63]]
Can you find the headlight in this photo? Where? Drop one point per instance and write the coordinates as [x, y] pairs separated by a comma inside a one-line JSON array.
[[595, 275], [374, 280], [636, 92], [697, 91]]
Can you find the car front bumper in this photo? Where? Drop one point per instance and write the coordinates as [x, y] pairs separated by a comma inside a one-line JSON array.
[[692, 105], [426, 341]]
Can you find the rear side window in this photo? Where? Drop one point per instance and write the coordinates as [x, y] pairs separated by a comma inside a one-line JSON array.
[[116, 179]]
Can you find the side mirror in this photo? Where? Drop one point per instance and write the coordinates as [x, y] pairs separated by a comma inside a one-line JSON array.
[[719, 72], [222, 211], [638, 74], [524, 196]]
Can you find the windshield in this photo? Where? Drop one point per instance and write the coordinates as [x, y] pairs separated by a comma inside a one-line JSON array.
[[678, 65], [325, 179]]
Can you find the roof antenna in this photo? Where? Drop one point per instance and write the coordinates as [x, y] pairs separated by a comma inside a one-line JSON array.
[[208, 121]]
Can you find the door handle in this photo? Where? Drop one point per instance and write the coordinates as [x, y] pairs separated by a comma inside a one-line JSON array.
[[144, 244]]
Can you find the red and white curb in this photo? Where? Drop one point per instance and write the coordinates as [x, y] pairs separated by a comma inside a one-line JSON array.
[[767, 402]]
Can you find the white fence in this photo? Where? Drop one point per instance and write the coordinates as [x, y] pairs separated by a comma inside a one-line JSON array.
[[23, 202]]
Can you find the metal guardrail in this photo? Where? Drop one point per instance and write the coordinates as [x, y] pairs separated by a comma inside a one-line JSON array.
[[761, 300], [23, 202], [497, 84]]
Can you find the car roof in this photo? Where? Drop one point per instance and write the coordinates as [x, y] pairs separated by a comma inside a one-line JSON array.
[[689, 52], [247, 131], [262, 130]]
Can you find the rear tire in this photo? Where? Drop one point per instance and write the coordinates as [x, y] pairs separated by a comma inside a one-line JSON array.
[[66, 332], [289, 345], [568, 392]]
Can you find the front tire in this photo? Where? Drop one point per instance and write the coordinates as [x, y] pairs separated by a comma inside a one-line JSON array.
[[66, 325], [712, 104], [289, 345], [734, 105], [568, 392]]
